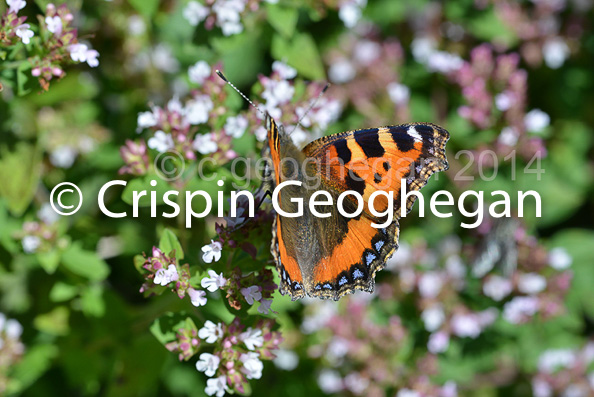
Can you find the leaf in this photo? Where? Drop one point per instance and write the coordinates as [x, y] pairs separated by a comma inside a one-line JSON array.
[[54, 322], [488, 26], [91, 301], [20, 171], [164, 328], [578, 244], [301, 53], [169, 242], [283, 19], [85, 263], [36, 362], [61, 292], [49, 261], [145, 7], [22, 76]]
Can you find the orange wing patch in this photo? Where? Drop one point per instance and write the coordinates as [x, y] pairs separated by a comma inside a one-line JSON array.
[[287, 266], [354, 262], [379, 158]]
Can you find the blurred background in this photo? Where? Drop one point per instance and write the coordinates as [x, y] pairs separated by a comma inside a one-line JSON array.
[[100, 90]]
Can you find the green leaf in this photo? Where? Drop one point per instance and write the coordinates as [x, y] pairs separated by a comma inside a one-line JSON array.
[[578, 244], [164, 328], [145, 7], [85, 263], [22, 74], [61, 292], [488, 26], [283, 19], [169, 242], [49, 261], [301, 53], [54, 322], [20, 171], [36, 362], [91, 301]]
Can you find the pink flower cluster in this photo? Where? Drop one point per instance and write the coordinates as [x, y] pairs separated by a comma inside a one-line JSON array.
[[57, 46]]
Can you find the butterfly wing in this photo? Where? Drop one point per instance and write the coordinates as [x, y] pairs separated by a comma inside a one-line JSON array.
[[351, 250]]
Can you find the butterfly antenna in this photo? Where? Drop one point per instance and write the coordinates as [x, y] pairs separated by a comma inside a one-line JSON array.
[[313, 103], [222, 76]]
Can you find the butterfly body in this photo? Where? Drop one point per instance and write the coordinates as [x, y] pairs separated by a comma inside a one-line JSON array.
[[327, 254]]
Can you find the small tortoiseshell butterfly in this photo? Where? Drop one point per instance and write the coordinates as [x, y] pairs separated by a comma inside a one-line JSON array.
[[329, 257]]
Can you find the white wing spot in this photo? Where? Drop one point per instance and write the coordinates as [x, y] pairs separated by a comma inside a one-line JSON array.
[[414, 133]]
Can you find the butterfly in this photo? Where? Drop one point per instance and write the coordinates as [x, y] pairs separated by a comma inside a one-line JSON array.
[[331, 256]]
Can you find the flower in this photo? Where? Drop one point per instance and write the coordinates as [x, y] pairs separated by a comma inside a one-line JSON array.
[[466, 325], [251, 294], [13, 329], [433, 317], [63, 156], [216, 386], [92, 60], [438, 342], [252, 366], [503, 101], [559, 259], [205, 143], [286, 359], [252, 338], [199, 72], [536, 120], [285, 71], [78, 52], [54, 24], [277, 92], [444, 62], [24, 33], [516, 310], [211, 332], [198, 109], [214, 282], [497, 287], [551, 360], [555, 52], [350, 13], [164, 277], [236, 126], [195, 13], [407, 393], [197, 297], [330, 381], [146, 120], [15, 5], [430, 284], [531, 283], [161, 142], [398, 93], [228, 18], [208, 363], [508, 136], [47, 214], [264, 307], [30, 244], [540, 388], [341, 71], [212, 252]]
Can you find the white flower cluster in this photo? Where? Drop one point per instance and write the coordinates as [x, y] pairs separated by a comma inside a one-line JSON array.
[[425, 51], [227, 12]]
